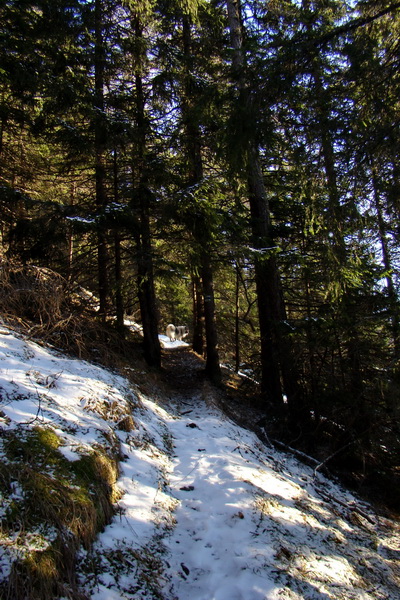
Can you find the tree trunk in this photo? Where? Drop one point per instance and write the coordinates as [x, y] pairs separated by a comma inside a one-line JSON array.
[[334, 210], [335, 217], [213, 369], [198, 315], [144, 254], [100, 169], [3, 122], [146, 293], [278, 369], [392, 296], [119, 303], [237, 321], [195, 175], [70, 237], [270, 313]]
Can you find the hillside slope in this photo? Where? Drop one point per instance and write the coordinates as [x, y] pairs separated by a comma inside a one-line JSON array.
[[195, 506]]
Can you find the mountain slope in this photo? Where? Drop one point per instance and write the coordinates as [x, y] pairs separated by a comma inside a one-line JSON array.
[[201, 508]]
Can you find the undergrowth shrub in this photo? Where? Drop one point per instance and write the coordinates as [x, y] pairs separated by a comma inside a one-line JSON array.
[[45, 306], [31, 293]]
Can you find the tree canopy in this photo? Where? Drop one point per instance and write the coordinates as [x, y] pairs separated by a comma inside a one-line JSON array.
[[230, 166]]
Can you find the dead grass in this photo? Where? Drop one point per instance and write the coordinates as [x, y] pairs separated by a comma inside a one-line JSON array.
[[46, 307], [31, 293]]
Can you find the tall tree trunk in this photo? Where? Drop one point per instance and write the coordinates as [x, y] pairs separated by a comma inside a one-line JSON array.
[[198, 315], [70, 237], [334, 210], [335, 216], [312, 374], [270, 313], [335, 224], [146, 293], [278, 375], [144, 254], [100, 169], [119, 303], [213, 369], [237, 320], [392, 296], [195, 175], [3, 121]]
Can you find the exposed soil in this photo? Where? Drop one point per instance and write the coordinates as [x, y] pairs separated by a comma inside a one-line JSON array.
[[184, 375], [183, 371]]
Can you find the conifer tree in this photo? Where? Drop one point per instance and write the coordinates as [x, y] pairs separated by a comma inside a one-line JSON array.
[[278, 366], [194, 178]]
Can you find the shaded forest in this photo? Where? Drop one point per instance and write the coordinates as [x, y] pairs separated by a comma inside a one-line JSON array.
[[232, 166]]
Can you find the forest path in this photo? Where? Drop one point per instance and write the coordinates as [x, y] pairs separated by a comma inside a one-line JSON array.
[[184, 376], [250, 522], [183, 371]]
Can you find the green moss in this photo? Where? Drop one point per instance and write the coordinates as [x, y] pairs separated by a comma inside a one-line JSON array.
[[36, 446], [96, 473], [42, 490]]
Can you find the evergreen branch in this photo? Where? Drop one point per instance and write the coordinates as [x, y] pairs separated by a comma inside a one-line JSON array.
[[355, 24]]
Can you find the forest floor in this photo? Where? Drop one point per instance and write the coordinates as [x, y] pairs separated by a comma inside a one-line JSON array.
[[183, 374], [205, 509]]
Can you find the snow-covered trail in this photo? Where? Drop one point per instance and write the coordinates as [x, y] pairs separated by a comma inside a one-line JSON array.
[[211, 513], [211, 553], [207, 512], [251, 523]]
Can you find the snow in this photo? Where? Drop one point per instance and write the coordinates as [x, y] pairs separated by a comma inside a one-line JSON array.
[[208, 512], [166, 343]]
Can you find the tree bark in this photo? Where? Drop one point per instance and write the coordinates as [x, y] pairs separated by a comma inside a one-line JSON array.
[[278, 369], [144, 254], [392, 296], [213, 369], [100, 169], [237, 320], [198, 315], [335, 225], [119, 302], [70, 237], [195, 176]]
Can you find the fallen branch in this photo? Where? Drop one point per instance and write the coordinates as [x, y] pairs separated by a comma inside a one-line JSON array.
[[349, 505], [308, 460], [328, 458]]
